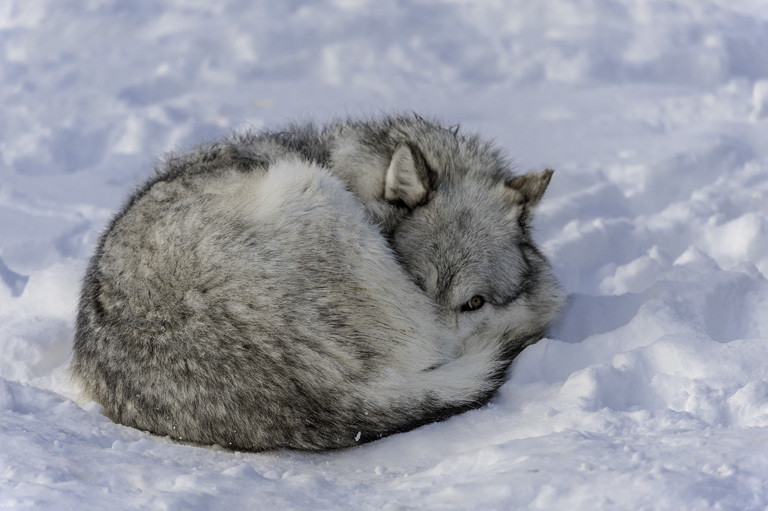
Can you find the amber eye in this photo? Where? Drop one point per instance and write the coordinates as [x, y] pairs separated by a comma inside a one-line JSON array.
[[474, 303]]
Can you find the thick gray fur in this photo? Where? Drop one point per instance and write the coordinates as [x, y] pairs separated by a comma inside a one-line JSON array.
[[314, 288]]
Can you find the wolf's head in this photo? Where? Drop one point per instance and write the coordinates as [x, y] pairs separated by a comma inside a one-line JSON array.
[[465, 235]]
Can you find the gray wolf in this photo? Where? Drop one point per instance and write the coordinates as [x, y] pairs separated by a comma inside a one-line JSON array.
[[314, 287]]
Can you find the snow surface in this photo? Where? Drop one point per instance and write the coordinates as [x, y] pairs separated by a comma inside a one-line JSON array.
[[652, 392]]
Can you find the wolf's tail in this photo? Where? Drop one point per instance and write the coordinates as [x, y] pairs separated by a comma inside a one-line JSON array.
[[470, 379], [462, 383]]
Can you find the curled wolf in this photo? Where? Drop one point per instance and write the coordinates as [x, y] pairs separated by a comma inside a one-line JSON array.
[[314, 288]]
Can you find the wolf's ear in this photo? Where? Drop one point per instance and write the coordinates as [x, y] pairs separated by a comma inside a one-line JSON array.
[[527, 190], [408, 177]]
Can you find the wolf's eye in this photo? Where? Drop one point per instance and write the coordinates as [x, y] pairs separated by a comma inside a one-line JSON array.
[[474, 303]]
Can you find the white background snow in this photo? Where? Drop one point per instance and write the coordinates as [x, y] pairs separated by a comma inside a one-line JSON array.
[[652, 392]]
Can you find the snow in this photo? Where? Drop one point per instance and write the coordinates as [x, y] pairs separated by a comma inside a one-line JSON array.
[[652, 390]]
